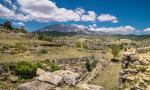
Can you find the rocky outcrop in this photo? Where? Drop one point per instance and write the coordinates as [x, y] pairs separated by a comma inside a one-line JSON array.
[[135, 74], [58, 77], [35, 85]]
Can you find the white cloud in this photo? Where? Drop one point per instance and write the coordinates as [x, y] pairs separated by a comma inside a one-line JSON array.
[[18, 23], [45, 10], [107, 17], [6, 13], [147, 30], [80, 11], [80, 26], [124, 30], [114, 30], [90, 17]]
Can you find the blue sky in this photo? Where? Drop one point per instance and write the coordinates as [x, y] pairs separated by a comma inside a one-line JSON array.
[[132, 16]]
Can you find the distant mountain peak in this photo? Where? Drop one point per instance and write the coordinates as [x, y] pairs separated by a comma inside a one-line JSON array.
[[69, 28]]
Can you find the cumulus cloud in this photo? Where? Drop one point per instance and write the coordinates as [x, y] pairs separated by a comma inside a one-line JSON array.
[[18, 23], [80, 11], [6, 13], [80, 26], [91, 16], [147, 30], [47, 10], [124, 30], [107, 17], [115, 30]]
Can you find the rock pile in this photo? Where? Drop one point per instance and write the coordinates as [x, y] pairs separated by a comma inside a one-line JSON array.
[[48, 81], [143, 50], [135, 74]]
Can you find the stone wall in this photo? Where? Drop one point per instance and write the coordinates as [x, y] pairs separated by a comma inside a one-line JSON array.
[[135, 73]]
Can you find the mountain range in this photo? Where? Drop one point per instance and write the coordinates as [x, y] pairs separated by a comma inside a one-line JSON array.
[[68, 29]]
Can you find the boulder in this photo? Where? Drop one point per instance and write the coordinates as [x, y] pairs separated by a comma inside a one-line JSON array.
[[130, 77], [133, 71], [35, 85], [69, 77], [51, 78], [90, 87], [40, 71]]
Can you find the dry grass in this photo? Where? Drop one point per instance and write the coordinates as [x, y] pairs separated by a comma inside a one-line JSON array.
[[109, 77]]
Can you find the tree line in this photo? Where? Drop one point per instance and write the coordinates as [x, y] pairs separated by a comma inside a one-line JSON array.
[[8, 26]]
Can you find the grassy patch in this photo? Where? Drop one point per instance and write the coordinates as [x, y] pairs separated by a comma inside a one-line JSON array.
[[108, 78]]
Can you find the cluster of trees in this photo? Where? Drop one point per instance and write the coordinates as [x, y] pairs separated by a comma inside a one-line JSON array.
[[8, 26]]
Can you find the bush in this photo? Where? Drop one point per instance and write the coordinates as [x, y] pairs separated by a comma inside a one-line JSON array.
[[115, 50], [88, 65], [78, 45], [53, 67], [19, 47], [24, 69], [115, 60], [42, 51]]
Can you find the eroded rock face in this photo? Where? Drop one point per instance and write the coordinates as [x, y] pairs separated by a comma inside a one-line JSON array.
[[90, 87], [35, 85], [51, 78]]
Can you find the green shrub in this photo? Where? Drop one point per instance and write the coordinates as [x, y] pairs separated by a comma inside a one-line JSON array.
[[19, 47], [115, 60], [79, 45], [115, 50], [53, 68], [24, 69], [88, 65], [42, 51]]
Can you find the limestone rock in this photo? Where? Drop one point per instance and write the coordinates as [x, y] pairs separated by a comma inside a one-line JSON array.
[[40, 71], [69, 77], [130, 77], [35, 85], [90, 87], [51, 78]]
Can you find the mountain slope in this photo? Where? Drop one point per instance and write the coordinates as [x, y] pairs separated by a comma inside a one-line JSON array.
[[67, 29]]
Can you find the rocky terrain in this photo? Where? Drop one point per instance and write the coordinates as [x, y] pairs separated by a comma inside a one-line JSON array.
[[135, 72], [41, 61]]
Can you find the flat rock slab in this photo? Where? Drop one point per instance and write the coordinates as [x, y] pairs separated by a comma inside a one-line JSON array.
[[35, 85], [51, 78], [90, 87], [69, 77]]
